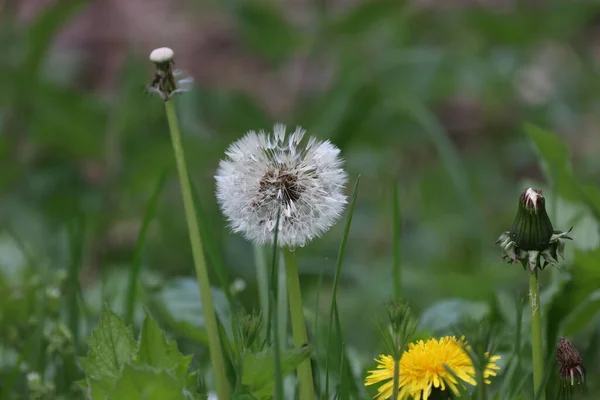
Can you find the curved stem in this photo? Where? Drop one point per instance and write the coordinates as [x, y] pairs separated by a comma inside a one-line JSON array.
[[305, 378], [536, 336], [214, 342]]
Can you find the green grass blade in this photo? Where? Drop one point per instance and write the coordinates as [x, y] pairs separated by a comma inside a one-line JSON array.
[[396, 233], [76, 241], [347, 378], [336, 280], [451, 159], [136, 263], [317, 381]]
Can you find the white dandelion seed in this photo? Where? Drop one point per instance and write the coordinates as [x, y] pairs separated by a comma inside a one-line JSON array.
[[264, 173]]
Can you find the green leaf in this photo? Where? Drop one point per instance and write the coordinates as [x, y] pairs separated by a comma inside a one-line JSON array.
[[258, 368], [448, 313], [555, 157], [156, 351], [593, 195], [98, 389], [110, 347], [180, 304], [265, 30], [142, 382], [583, 315]]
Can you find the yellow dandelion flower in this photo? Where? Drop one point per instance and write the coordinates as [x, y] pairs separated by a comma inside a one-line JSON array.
[[422, 369]]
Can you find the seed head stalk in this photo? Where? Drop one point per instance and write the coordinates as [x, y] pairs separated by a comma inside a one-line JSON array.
[[305, 378], [214, 343]]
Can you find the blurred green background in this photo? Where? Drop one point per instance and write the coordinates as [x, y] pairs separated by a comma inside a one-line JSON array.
[[432, 95]]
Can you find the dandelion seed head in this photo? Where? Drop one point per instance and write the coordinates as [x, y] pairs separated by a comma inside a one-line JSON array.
[[264, 173]]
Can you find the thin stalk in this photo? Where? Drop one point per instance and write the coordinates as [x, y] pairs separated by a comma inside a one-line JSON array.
[[397, 277], [282, 303], [277, 355], [396, 382], [273, 291], [305, 378], [76, 233], [136, 263], [536, 336], [214, 343], [262, 278]]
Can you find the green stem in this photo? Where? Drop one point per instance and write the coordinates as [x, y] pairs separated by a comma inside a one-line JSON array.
[[395, 383], [305, 378], [214, 343], [282, 302], [536, 336], [262, 278]]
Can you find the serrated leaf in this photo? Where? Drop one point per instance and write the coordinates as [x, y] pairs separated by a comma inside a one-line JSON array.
[[98, 389], [141, 382], [110, 347], [258, 368], [157, 352]]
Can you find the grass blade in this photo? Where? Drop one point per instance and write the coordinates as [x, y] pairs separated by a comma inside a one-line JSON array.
[[136, 262], [76, 238], [336, 280], [396, 274]]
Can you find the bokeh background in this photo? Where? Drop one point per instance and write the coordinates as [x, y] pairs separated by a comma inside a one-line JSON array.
[[433, 96]]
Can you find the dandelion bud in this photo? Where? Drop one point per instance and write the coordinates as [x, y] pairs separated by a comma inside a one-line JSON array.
[[571, 366], [251, 327], [399, 316], [247, 329], [532, 237], [532, 228]]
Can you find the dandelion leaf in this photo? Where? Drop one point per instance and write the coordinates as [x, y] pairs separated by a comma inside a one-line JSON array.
[[143, 382], [110, 348], [118, 367], [157, 352]]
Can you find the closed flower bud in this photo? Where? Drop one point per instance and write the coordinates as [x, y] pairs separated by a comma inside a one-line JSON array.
[[532, 228], [532, 239]]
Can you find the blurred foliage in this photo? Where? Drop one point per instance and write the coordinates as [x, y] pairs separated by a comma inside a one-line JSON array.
[[456, 105]]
